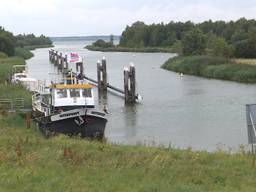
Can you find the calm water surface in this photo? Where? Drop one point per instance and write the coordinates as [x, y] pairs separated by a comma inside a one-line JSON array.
[[182, 111]]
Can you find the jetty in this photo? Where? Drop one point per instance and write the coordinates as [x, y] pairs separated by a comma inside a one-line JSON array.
[[60, 60]]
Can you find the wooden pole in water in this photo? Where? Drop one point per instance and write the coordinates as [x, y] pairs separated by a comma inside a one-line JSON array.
[[50, 55], [99, 76], [80, 68], [130, 84], [66, 62], [56, 58], [104, 74], [60, 61], [126, 87]]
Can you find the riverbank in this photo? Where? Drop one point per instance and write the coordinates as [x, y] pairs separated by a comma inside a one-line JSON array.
[[212, 67], [128, 49], [26, 53], [28, 161]]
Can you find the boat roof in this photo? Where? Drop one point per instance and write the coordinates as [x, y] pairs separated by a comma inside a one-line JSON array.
[[72, 86]]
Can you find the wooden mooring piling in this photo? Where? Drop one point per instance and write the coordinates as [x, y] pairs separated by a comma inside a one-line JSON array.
[[58, 59], [129, 91], [102, 75]]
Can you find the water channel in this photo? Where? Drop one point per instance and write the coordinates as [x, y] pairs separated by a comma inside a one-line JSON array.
[[187, 111]]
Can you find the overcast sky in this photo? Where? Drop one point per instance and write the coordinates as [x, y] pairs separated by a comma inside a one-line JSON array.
[[104, 17]]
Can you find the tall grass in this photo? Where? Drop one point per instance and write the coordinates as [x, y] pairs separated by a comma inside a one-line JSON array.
[[28, 162], [212, 67], [12, 91], [6, 65]]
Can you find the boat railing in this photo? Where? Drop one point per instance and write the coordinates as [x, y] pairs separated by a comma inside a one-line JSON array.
[[38, 105], [73, 79]]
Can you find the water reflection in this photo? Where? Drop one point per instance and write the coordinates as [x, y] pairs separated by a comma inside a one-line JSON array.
[[130, 111]]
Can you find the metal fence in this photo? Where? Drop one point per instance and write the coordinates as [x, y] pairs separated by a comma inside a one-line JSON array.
[[12, 104]]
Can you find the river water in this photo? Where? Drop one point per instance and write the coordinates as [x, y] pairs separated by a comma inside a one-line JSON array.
[[188, 111]]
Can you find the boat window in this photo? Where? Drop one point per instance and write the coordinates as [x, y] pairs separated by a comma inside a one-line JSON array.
[[21, 76], [87, 93], [61, 93], [74, 93]]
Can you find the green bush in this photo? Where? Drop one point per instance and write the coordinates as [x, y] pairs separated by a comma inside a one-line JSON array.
[[24, 53], [3, 55]]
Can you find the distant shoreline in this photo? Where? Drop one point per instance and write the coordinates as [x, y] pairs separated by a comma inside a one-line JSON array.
[[128, 49]]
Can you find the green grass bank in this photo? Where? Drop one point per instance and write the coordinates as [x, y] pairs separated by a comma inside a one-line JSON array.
[[29, 162], [212, 67], [128, 49], [8, 90]]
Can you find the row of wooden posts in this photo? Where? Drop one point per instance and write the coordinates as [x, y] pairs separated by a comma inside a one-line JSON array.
[[129, 90]]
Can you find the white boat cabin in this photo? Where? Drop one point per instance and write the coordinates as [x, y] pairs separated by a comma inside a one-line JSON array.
[[72, 95]]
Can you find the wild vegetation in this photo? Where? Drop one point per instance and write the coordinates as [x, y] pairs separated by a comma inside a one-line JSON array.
[[21, 45], [29, 162], [6, 65], [212, 67]]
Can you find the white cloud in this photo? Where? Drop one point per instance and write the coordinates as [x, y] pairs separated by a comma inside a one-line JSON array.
[[89, 17]]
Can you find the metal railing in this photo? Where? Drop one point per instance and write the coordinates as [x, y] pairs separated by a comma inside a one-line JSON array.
[[12, 104]]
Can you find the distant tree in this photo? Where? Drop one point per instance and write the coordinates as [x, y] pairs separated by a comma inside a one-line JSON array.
[[194, 43], [134, 36], [232, 34], [177, 47], [112, 39], [7, 42], [102, 43], [219, 47], [247, 48]]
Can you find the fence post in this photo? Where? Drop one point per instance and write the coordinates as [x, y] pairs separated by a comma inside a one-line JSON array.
[[28, 120]]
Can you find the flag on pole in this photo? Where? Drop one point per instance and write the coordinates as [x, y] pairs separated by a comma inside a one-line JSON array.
[[74, 57]]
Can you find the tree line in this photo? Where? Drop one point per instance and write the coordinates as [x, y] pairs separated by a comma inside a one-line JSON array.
[[219, 38], [8, 41]]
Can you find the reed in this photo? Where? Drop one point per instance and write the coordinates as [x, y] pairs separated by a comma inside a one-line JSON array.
[[212, 67]]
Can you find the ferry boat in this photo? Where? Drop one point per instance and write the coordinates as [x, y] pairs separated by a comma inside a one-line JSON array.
[[68, 107]]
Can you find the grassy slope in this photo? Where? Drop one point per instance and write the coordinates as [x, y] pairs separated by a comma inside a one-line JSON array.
[[212, 67], [29, 162], [11, 91]]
